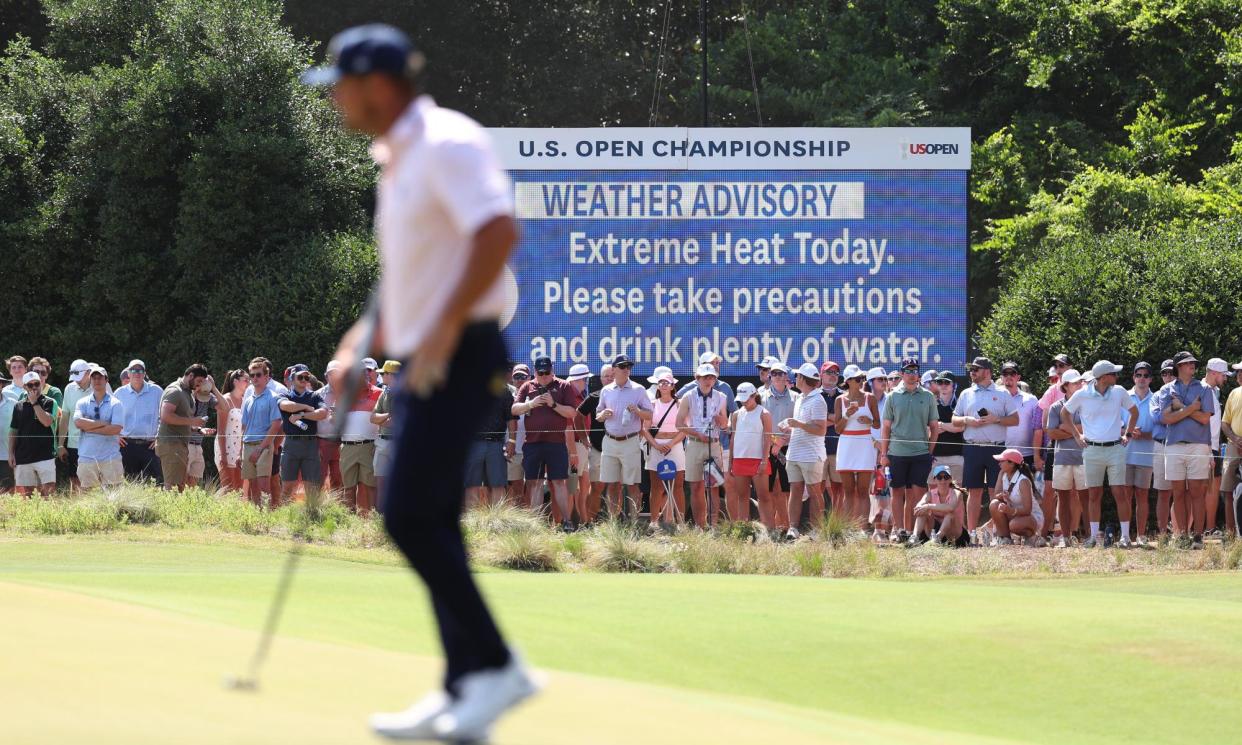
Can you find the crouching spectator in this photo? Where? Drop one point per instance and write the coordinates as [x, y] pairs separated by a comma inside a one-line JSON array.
[[1015, 512], [940, 516]]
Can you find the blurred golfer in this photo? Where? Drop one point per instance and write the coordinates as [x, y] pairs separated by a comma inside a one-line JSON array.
[[444, 226]]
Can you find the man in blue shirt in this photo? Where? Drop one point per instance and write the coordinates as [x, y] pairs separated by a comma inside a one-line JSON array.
[[301, 411], [1164, 490], [260, 426], [7, 402], [141, 401], [1185, 407], [100, 419], [1139, 452]]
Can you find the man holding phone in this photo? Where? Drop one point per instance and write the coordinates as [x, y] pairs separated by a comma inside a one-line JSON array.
[[550, 405], [985, 411]]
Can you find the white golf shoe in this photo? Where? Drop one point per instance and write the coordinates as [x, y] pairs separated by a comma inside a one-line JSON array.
[[416, 722], [484, 697]]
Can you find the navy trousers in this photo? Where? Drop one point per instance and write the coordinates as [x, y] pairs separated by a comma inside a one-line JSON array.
[[141, 463], [423, 496]]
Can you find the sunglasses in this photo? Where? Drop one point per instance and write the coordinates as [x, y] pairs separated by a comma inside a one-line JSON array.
[[778, 374], [1143, 376], [668, 383], [33, 386], [137, 371], [944, 477], [40, 370], [520, 376], [306, 376], [258, 374]]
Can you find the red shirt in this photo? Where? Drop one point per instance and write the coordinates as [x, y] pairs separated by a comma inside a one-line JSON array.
[[542, 423]]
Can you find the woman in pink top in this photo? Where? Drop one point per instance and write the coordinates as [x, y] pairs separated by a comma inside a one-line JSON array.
[[941, 513], [667, 445]]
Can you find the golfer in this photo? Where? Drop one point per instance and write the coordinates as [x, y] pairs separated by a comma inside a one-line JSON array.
[[444, 225]]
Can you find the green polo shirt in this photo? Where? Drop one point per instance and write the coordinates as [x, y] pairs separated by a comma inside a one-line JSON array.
[[911, 412]]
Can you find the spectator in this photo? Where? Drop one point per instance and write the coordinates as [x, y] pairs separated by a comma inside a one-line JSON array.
[[260, 427], [653, 380], [140, 401], [1027, 436], [750, 426], [985, 411], [486, 467], [17, 370], [730, 406], [588, 408], [1060, 364], [625, 410], [1069, 476], [380, 417], [765, 371], [1231, 426], [550, 405], [44, 368], [329, 439], [911, 425], [877, 384], [279, 389], [1104, 437], [1015, 511], [205, 402], [805, 461], [517, 472], [176, 420], [31, 444], [1159, 433], [926, 380], [100, 418], [701, 415], [1137, 487], [948, 449], [1216, 375], [829, 377], [301, 412], [1185, 407], [8, 401], [779, 402], [228, 449], [358, 437], [67, 433], [580, 477], [941, 514], [664, 441], [856, 410]]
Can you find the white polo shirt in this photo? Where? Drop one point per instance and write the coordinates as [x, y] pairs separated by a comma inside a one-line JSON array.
[[1102, 415], [440, 182]]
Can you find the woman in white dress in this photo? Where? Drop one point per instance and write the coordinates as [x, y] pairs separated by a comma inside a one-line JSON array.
[[665, 444], [856, 410], [1015, 511], [229, 434]]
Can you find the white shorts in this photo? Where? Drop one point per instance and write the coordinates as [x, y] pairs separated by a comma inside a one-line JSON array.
[[94, 473], [1188, 462], [196, 467], [593, 459], [1065, 478], [809, 471], [621, 461], [36, 474], [677, 454]]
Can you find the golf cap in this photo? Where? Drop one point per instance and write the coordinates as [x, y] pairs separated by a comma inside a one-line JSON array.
[[745, 391], [520, 368], [928, 377], [30, 377], [808, 370], [853, 371], [1061, 359], [876, 372], [940, 471], [767, 363], [1142, 366], [1104, 367], [1216, 364], [1013, 455], [1167, 365], [945, 377], [910, 363], [579, 372], [622, 360], [78, 369], [93, 368], [704, 370], [333, 365], [136, 363], [980, 363], [543, 364], [658, 373], [390, 367], [1010, 366], [298, 368], [829, 367], [1182, 358], [369, 363], [362, 50], [780, 367], [708, 357], [1070, 376]]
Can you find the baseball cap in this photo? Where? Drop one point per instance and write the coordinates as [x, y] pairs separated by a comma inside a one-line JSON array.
[[767, 363], [945, 377], [298, 368], [828, 367], [1142, 366], [1052, 372], [708, 357], [939, 470], [1216, 364], [1013, 455], [369, 363], [980, 363], [93, 368], [705, 369], [375, 47], [745, 391], [852, 371], [1182, 357], [1062, 358], [778, 366], [910, 363], [30, 377], [876, 372], [521, 367], [391, 366], [543, 364], [579, 372], [658, 373], [1237, 366], [1104, 367], [1070, 376], [332, 365], [78, 369], [1167, 365], [622, 360], [808, 370], [136, 363]]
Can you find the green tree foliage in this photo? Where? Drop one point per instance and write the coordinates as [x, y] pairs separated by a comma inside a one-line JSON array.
[[171, 192]]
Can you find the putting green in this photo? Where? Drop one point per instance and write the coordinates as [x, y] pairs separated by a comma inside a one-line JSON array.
[[126, 641]]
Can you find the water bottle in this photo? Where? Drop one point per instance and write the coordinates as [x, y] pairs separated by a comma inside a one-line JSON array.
[[300, 424], [625, 417]]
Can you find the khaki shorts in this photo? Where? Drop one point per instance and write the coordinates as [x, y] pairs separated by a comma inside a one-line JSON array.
[[1158, 481], [830, 469], [809, 471], [251, 471], [1099, 461], [174, 458], [358, 464], [1188, 462], [1229, 476], [1138, 477], [696, 456], [36, 474], [594, 457], [955, 463], [383, 455], [93, 473], [621, 461], [1065, 478], [515, 472], [196, 466], [584, 467]]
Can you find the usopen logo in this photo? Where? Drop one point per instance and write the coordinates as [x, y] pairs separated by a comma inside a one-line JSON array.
[[915, 149]]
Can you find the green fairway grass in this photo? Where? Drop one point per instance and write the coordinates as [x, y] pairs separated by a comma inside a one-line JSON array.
[[1112, 659]]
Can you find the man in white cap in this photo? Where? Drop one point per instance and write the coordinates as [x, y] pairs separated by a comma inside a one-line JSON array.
[[765, 372], [329, 440], [31, 444], [702, 415], [806, 455], [778, 400], [595, 436], [580, 483], [100, 417], [714, 360], [140, 401], [1104, 437], [66, 431], [624, 409]]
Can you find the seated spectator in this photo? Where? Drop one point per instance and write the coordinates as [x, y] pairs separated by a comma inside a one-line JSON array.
[[940, 516], [1015, 511]]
